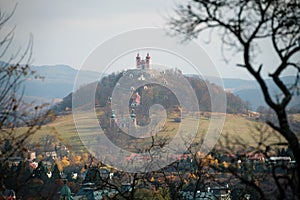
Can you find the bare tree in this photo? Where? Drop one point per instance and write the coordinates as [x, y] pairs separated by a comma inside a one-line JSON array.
[[242, 24], [14, 113]]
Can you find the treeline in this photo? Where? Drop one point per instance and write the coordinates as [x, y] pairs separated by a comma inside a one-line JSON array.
[[152, 94]]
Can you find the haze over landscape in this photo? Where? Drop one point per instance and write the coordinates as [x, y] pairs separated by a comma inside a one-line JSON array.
[[160, 100], [59, 80]]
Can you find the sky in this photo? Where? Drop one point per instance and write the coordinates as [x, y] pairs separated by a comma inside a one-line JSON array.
[[66, 32]]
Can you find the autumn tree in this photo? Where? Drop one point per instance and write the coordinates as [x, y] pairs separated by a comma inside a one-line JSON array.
[[242, 25]]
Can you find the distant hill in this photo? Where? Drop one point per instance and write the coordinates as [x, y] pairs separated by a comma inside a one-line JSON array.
[[57, 83], [253, 96], [249, 90], [153, 94], [59, 79]]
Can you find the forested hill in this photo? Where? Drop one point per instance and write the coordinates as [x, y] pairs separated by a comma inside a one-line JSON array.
[[154, 94]]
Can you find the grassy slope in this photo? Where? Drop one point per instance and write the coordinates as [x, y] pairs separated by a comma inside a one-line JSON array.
[[235, 127]]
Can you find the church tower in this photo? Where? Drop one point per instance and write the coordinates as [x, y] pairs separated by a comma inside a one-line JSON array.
[[143, 64], [138, 61], [147, 61]]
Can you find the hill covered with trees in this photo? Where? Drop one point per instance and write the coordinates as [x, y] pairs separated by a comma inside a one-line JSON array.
[[152, 94]]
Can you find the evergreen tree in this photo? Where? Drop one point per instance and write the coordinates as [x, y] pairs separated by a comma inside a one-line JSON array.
[[56, 173]]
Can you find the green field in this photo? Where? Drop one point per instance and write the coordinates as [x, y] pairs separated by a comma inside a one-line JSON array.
[[236, 129]]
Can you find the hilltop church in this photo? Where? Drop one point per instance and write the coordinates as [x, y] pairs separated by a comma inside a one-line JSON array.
[[143, 64]]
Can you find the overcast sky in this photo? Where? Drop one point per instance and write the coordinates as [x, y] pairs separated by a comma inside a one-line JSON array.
[[65, 32]]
